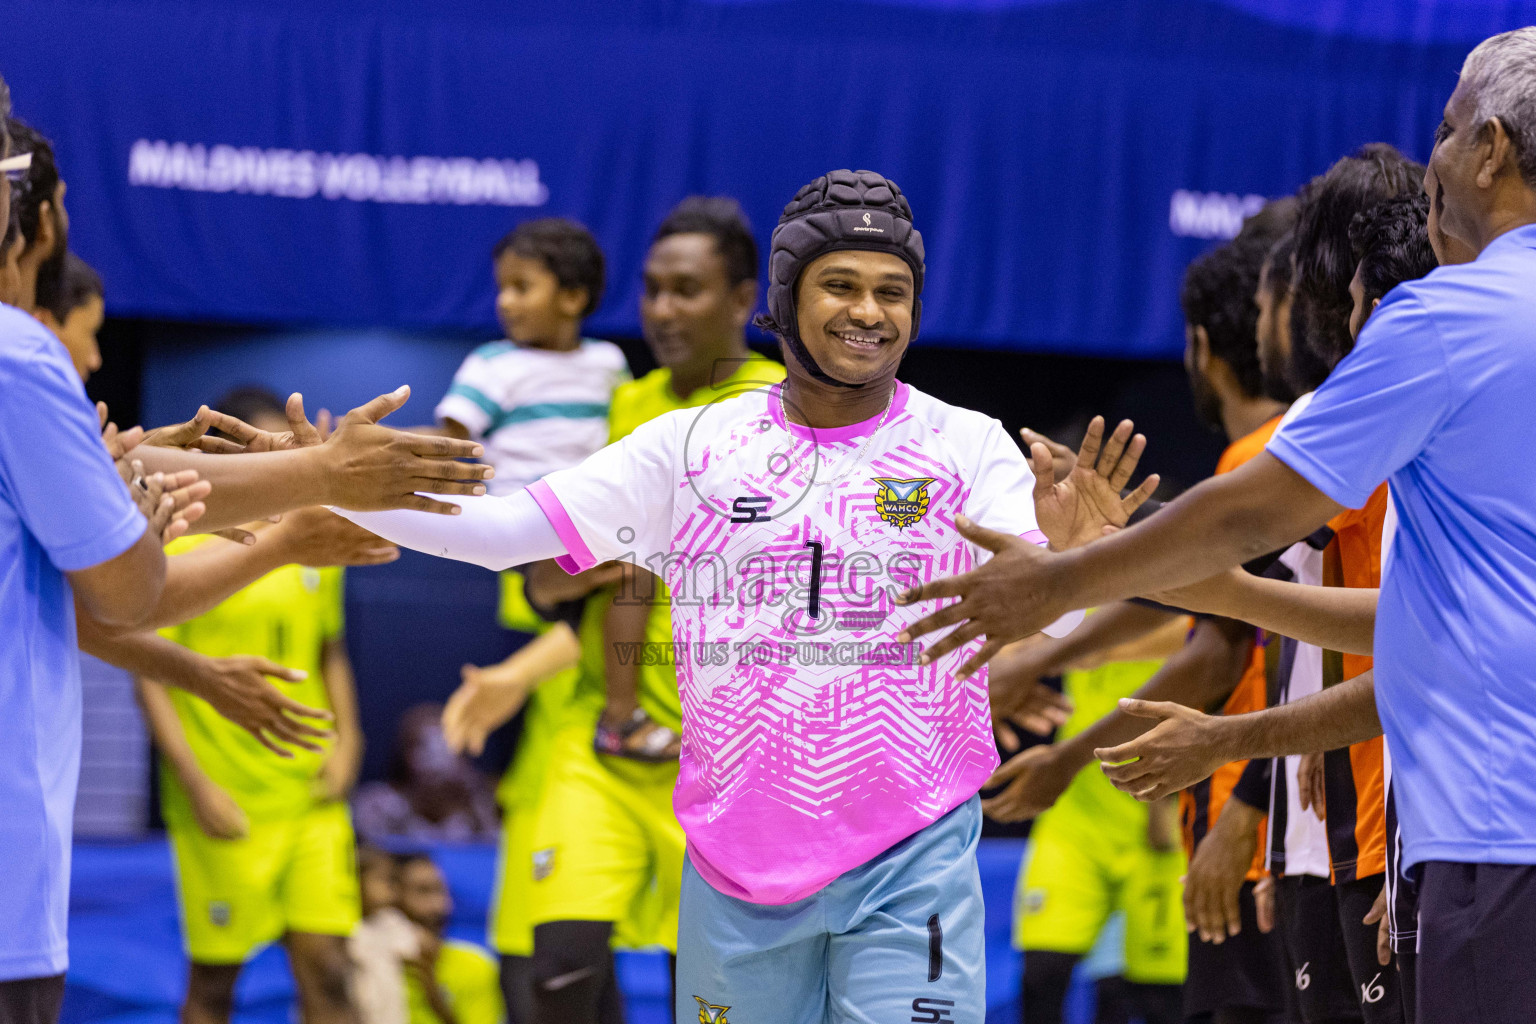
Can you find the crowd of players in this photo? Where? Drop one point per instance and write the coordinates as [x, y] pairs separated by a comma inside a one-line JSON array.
[[1299, 901]]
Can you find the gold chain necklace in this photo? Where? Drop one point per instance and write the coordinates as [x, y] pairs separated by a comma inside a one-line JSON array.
[[858, 459]]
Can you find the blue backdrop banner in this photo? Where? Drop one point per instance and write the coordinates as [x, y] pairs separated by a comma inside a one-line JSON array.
[[349, 163]]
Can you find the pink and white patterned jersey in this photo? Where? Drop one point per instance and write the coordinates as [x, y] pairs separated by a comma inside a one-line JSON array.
[[812, 740]]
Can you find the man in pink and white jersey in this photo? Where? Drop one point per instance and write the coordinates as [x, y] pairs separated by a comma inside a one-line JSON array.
[[828, 775]]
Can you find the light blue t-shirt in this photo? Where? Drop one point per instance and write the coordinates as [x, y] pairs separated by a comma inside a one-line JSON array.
[[62, 508], [1439, 397]]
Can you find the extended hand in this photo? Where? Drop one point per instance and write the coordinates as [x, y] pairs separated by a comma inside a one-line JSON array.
[[1215, 879], [1378, 916], [318, 537], [1017, 695], [190, 434], [485, 700], [238, 689], [1312, 784], [1005, 598], [1032, 782], [1076, 510], [1031, 706], [243, 437], [1181, 750], [1062, 457], [372, 468]]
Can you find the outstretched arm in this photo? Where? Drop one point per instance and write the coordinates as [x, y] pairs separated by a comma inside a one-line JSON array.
[[493, 532], [361, 466], [197, 580], [1203, 672], [1259, 507], [1333, 618], [1187, 746]]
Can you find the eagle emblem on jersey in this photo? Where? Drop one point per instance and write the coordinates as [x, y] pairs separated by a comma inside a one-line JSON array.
[[902, 502], [709, 1013]]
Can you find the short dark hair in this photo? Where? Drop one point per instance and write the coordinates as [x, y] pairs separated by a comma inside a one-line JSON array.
[[567, 250], [1218, 295], [1278, 261], [70, 289], [722, 218], [1218, 292], [1325, 260], [1391, 243], [406, 858], [249, 402], [42, 179]]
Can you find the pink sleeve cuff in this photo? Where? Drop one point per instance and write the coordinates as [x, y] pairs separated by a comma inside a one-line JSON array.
[[1033, 536], [578, 557]]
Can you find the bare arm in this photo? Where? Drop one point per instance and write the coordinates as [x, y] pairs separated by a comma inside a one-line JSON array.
[[339, 773], [1333, 618], [166, 732], [1204, 672], [487, 698], [1201, 675], [1259, 507], [237, 687], [1186, 746], [121, 593], [200, 579], [624, 630], [216, 811], [1013, 684], [362, 466]]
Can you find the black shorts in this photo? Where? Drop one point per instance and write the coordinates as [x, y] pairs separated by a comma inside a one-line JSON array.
[[1307, 920], [1377, 989], [1477, 927], [31, 1000], [1246, 970]]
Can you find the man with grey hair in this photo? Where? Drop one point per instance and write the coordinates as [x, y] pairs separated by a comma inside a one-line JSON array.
[[1443, 371]]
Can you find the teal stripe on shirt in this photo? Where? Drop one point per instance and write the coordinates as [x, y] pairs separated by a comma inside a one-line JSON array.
[[549, 411], [478, 397]]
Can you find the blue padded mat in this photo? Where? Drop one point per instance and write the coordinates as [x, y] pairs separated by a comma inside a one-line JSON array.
[[127, 966]]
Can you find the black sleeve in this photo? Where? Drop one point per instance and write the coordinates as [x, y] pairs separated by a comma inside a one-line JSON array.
[[1253, 786]]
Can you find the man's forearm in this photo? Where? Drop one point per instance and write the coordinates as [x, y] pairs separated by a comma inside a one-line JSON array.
[[145, 654], [1205, 670], [246, 487], [198, 580], [1230, 519], [166, 731], [1333, 618], [1338, 717]]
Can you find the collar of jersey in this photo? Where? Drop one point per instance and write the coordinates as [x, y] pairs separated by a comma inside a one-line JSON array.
[[835, 435]]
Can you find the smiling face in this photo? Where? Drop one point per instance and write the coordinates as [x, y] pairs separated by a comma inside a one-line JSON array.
[[854, 312], [690, 310]]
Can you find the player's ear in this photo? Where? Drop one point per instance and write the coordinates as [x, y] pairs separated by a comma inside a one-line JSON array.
[[572, 302], [744, 300], [46, 237]]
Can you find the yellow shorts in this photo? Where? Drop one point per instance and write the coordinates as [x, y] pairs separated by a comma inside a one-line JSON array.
[[606, 845], [511, 927], [1068, 888], [295, 875]]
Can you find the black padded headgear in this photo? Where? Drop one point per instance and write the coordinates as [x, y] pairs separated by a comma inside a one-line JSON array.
[[839, 210]]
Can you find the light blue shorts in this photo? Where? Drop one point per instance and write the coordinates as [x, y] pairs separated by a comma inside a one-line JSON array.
[[900, 938]]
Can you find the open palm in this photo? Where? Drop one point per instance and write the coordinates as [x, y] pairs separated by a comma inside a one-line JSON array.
[[1077, 510]]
